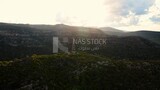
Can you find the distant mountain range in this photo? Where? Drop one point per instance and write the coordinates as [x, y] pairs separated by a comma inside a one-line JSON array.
[[150, 35], [21, 40]]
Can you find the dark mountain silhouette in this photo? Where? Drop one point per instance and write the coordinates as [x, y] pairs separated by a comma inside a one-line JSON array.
[[21, 40], [150, 35], [112, 31], [153, 36]]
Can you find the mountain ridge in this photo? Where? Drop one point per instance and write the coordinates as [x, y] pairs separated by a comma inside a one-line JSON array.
[[17, 41]]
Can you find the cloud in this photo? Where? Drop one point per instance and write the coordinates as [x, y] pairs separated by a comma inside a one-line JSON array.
[[139, 7], [156, 18], [127, 13], [133, 20], [155, 12], [124, 7]]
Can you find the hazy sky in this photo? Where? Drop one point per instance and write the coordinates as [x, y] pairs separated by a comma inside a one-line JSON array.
[[122, 14]]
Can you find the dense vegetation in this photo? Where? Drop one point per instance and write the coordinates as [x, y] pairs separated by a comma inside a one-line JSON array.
[[79, 71]]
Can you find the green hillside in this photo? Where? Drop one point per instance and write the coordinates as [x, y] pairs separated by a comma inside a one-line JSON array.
[[79, 71]]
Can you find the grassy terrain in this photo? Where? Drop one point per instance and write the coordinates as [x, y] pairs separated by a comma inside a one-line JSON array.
[[78, 72]]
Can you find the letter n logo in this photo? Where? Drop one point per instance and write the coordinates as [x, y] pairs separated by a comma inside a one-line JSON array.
[[59, 45]]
